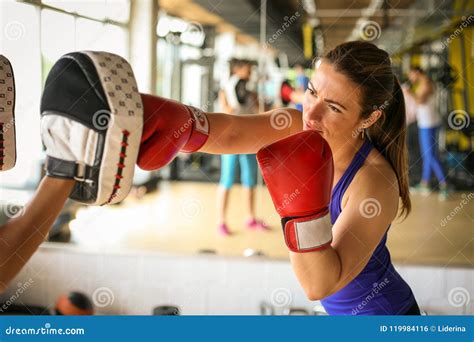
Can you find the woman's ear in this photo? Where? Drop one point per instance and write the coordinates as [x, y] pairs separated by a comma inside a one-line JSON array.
[[373, 117]]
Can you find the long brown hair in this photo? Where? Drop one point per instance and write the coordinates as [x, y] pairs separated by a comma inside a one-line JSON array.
[[370, 68]]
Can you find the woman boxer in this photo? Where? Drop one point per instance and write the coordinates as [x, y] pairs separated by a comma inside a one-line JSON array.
[[354, 101]]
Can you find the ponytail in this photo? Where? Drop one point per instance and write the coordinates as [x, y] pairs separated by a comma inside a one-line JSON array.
[[388, 135]]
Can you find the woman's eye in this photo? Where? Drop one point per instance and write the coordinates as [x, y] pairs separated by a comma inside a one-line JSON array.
[[334, 109], [312, 92]]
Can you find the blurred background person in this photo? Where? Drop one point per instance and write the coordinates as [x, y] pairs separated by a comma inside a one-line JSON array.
[[414, 171], [236, 99], [301, 83], [429, 121]]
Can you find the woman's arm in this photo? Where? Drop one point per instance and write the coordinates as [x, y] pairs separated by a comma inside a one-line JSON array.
[[243, 134], [21, 236], [355, 237]]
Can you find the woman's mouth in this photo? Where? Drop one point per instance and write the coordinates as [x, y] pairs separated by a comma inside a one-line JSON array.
[[308, 127]]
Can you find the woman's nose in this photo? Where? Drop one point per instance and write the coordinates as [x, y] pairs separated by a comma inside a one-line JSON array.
[[314, 111]]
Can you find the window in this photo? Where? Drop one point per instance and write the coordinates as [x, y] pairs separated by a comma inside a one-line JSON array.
[[36, 36]]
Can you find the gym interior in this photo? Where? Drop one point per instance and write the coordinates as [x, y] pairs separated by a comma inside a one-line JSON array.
[[184, 242]]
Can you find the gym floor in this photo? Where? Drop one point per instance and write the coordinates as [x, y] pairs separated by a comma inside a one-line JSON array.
[[181, 216]]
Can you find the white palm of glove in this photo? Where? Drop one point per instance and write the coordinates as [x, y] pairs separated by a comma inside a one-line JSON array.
[[71, 141]]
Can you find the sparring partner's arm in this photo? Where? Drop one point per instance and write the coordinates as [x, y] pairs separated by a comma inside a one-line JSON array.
[[21, 236], [370, 209], [223, 102], [91, 125], [424, 91], [410, 105], [245, 134]]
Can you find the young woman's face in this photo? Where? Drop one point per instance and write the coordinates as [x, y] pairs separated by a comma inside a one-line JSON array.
[[331, 105]]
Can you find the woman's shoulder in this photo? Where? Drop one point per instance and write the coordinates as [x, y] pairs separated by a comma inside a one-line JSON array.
[[375, 179], [377, 174]]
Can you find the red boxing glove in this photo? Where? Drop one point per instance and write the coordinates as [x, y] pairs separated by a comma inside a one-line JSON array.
[[169, 127], [299, 171]]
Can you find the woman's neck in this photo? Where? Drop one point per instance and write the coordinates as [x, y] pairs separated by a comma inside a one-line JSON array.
[[344, 152]]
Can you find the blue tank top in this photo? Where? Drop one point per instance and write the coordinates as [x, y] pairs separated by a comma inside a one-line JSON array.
[[378, 289]]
